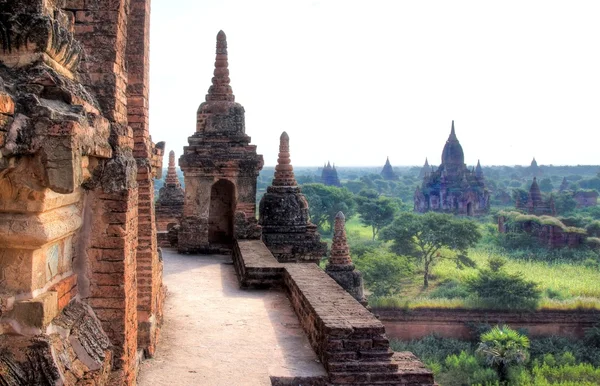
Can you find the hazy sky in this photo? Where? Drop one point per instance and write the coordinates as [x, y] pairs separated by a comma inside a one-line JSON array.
[[355, 81]]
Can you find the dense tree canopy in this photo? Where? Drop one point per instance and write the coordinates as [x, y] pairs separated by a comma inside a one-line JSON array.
[[375, 211], [423, 236], [326, 201]]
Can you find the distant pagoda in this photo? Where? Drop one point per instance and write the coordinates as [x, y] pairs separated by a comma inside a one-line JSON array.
[[564, 185], [535, 202], [329, 175], [388, 172], [169, 205], [534, 170], [453, 188], [426, 169]]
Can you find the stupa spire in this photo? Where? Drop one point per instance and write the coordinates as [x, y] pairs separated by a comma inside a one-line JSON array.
[[340, 266], [452, 133], [340, 253], [171, 178], [220, 89], [284, 171]]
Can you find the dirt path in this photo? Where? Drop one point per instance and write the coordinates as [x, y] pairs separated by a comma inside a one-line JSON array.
[[216, 334]]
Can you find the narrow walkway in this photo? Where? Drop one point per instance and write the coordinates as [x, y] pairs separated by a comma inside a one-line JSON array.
[[217, 334]]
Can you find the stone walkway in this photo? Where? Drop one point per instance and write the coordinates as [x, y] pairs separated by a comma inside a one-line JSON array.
[[216, 334]]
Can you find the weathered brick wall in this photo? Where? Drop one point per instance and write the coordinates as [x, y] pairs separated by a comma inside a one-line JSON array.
[[149, 268], [112, 275], [102, 27], [415, 324]]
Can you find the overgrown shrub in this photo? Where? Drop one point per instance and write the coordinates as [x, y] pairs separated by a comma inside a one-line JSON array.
[[499, 289], [466, 369], [450, 289], [434, 348], [383, 271]]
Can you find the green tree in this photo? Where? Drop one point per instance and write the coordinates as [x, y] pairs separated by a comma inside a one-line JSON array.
[[499, 289], [423, 236], [503, 347], [564, 203], [546, 185], [375, 211], [383, 271], [521, 194], [325, 202], [355, 186]]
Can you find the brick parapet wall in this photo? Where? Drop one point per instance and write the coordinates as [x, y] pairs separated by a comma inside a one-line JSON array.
[[458, 323], [348, 339]]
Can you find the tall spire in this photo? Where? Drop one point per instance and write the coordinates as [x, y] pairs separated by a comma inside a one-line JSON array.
[[284, 171], [453, 152], [452, 133], [171, 178], [220, 89], [340, 253], [478, 170], [426, 163]]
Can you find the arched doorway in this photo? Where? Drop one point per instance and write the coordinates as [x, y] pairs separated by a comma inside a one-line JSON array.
[[222, 208], [470, 209]]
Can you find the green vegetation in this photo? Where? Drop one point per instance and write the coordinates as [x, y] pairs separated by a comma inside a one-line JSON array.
[[502, 356], [422, 237]]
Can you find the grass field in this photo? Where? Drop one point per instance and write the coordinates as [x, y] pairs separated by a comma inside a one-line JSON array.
[[564, 285]]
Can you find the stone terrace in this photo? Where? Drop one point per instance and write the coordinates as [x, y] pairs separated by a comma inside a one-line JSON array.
[[347, 338], [216, 334]]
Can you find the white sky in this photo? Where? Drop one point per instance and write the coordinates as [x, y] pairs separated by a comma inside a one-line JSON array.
[[355, 81]]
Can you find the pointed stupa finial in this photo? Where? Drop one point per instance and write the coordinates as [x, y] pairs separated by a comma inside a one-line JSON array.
[[479, 170], [328, 165], [171, 177], [220, 89], [171, 158], [340, 253], [426, 162], [452, 133], [284, 171]]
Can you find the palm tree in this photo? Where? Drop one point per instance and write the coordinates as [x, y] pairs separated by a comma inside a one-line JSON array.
[[502, 347]]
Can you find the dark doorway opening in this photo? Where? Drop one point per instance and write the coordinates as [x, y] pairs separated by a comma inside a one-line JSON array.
[[222, 208], [470, 209]]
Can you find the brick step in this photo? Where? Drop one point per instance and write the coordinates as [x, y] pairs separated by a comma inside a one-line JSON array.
[[363, 367], [363, 356], [299, 381], [379, 355], [400, 378]]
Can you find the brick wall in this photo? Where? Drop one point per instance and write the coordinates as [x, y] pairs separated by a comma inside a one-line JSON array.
[[149, 268], [415, 324]]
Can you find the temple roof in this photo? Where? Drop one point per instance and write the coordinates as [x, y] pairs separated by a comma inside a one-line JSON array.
[[453, 152], [535, 194]]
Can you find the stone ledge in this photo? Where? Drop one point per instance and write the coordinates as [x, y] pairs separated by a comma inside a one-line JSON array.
[[255, 264], [348, 339]]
